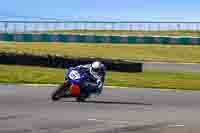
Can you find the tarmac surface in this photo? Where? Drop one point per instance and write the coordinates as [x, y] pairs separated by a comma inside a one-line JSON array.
[[26, 109], [169, 67]]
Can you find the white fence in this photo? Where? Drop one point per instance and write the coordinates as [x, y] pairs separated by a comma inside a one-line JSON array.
[[38, 26]]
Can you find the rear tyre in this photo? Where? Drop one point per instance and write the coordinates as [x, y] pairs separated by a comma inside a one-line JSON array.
[[80, 99]]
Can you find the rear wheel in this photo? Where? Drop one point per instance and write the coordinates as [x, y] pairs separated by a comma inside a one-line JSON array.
[[80, 99]]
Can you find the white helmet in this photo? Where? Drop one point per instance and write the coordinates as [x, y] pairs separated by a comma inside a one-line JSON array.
[[95, 68]]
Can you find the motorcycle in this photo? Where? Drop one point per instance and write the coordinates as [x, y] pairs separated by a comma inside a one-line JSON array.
[[72, 87]]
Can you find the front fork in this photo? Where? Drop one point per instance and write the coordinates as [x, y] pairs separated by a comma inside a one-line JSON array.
[[66, 86]]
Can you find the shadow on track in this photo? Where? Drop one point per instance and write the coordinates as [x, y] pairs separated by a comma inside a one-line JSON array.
[[113, 102]]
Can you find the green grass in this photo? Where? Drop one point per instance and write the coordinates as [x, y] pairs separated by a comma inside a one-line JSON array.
[[139, 52], [125, 32], [43, 75]]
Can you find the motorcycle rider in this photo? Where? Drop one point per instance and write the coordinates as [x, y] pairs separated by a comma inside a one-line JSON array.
[[96, 72]]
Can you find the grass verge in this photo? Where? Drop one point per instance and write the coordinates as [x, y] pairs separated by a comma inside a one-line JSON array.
[[139, 52], [148, 79]]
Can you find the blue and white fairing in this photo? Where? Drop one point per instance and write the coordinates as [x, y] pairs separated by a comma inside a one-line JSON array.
[[75, 77]]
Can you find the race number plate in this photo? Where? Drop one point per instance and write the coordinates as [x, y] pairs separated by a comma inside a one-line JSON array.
[[74, 75]]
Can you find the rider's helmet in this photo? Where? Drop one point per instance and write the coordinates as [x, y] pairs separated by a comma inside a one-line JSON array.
[[95, 68]]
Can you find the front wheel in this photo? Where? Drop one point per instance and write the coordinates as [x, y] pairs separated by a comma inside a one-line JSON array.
[[58, 93]]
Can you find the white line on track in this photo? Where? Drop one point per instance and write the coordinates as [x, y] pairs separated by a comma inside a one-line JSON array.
[[171, 126], [126, 122], [109, 121]]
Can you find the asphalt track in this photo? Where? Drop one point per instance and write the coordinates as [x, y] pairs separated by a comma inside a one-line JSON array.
[[178, 67], [26, 109]]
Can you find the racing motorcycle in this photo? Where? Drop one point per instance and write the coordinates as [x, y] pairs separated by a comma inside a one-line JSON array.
[[72, 86]]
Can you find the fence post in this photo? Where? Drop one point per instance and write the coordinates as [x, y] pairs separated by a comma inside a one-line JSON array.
[[24, 27], [15, 28], [159, 27], [149, 27], [178, 26], [112, 26], [85, 26], [5, 27], [197, 27], [130, 27]]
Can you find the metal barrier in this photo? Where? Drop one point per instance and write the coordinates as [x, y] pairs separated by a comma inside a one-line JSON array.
[[41, 26]]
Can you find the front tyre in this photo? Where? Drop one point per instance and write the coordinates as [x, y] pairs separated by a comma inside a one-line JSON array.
[[58, 93]]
